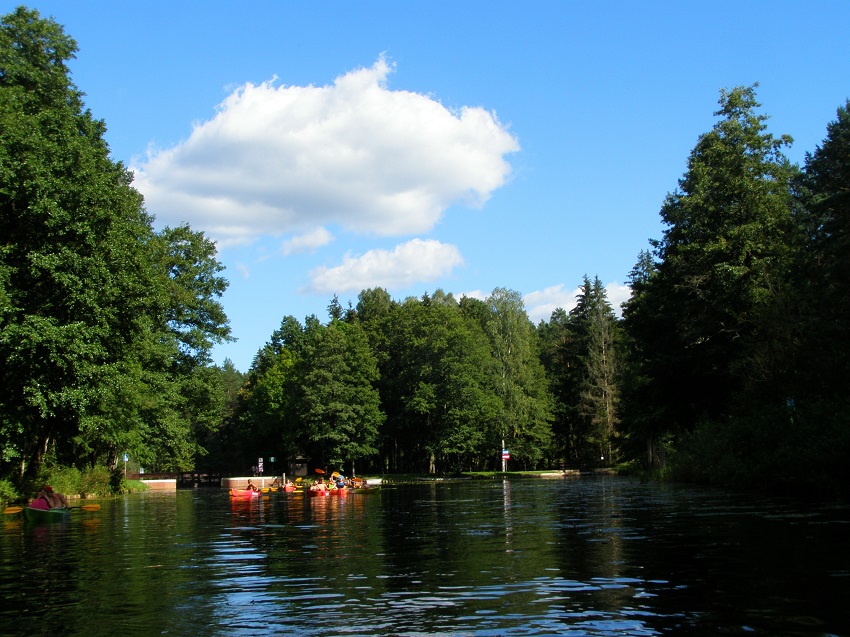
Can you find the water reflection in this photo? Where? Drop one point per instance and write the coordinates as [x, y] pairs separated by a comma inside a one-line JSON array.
[[531, 557]]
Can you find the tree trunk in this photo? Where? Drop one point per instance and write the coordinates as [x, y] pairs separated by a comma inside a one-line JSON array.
[[655, 453]]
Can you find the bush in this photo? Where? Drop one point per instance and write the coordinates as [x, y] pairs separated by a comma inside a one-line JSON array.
[[8, 492], [796, 452], [91, 482], [65, 480], [96, 482]]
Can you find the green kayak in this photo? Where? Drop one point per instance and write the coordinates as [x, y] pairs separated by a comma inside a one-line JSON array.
[[42, 515], [368, 489]]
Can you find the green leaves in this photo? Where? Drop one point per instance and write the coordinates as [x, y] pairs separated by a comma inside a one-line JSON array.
[[737, 327], [417, 384], [339, 405], [190, 286], [101, 320], [721, 261]]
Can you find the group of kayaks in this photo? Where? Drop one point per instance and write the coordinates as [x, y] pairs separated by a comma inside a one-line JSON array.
[[249, 494]]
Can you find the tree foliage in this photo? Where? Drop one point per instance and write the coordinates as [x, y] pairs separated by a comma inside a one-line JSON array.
[[97, 310], [734, 323], [339, 406], [581, 354], [409, 386], [703, 313]]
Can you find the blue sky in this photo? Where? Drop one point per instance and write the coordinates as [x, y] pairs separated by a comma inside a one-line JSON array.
[[329, 147]]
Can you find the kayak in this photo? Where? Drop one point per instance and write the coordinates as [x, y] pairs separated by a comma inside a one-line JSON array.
[[338, 491], [320, 494], [46, 515], [372, 489], [244, 494]]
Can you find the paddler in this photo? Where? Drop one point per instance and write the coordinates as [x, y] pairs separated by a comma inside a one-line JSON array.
[[56, 499]]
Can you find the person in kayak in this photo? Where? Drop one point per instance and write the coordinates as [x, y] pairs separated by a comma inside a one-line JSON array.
[[41, 502], [56, 499], [251, 487]]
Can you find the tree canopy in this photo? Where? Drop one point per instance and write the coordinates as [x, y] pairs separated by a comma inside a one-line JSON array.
[[96, 308]]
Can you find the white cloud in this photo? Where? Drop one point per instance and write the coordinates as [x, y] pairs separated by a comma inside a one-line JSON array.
[[474, 294], [243, 270], [412, 262], [278, 159], [540, 304], [617, 295], [306, 242]]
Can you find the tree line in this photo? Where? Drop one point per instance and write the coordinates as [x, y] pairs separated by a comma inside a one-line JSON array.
[[427, 384], [728, 365]]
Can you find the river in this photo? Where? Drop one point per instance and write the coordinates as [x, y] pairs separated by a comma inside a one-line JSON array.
[[585, 556]]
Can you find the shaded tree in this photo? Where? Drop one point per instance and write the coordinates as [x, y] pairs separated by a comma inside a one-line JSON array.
[[600, 393], [825, 195], [714, 357], [338, 403]]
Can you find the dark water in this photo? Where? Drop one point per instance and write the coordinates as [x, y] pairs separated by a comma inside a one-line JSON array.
[[605, 556]]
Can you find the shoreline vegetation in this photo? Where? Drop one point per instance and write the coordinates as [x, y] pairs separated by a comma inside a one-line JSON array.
[[100, 485], [92, 484]]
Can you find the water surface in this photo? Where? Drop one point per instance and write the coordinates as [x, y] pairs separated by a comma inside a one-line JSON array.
[[589, 556]]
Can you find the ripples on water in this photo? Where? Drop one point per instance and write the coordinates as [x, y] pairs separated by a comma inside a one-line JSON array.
[[529, 557]]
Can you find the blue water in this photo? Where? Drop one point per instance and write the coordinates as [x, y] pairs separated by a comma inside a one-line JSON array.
[[588, 556]]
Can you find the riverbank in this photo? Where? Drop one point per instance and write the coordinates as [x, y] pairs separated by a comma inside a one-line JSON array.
[[494, 475]]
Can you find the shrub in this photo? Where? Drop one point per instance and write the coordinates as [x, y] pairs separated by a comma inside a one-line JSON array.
[[96, 482], [65, 480], [8, 492]]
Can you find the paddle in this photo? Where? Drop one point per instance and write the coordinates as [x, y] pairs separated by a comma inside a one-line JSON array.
[[84, 507], [317, 470], [298, 479]]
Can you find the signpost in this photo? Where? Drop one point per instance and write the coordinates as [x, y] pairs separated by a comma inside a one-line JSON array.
[[126, 458], [506, 455], [259, 466]]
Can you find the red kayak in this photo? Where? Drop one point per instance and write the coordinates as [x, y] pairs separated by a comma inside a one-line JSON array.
[[245, 494], [319, 494], [339, 491]]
